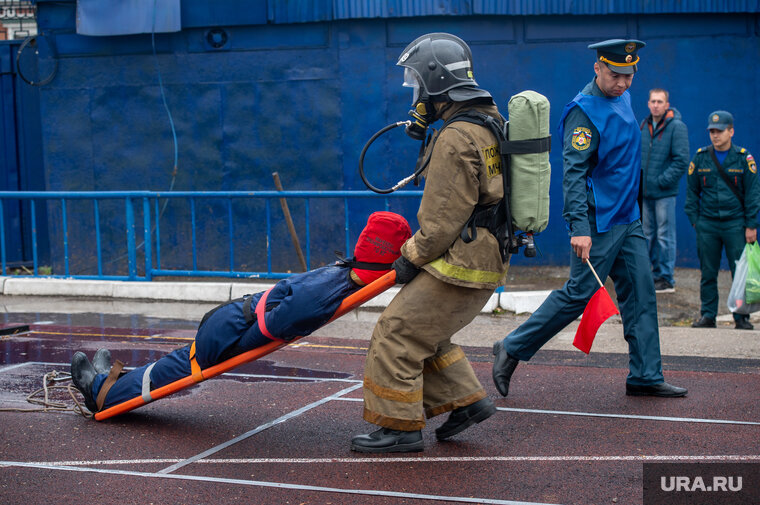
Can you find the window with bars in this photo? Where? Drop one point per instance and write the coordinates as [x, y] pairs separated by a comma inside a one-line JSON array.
[[18, 19]]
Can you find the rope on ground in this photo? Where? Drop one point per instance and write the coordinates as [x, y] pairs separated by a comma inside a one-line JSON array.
[[49, 381]]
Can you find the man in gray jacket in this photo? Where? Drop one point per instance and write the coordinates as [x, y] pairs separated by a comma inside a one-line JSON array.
[[664, 158]]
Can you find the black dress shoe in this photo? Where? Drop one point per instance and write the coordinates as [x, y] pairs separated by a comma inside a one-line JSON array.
[[387, 440], [462, 418], [744, 324], [102, 361], [503, 367], [82, 375], [662, 389], [704, 322]]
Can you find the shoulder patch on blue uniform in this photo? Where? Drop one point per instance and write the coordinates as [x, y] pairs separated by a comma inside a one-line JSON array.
[[581, 138], [751, 163], [691, 167]]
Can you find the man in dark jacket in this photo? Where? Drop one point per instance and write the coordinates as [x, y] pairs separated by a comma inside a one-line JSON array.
[[664, 158]]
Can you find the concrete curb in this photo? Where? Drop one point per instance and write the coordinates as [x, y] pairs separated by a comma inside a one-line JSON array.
[[217, 292]]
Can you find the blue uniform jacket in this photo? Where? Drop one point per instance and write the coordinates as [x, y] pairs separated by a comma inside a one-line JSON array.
[[601, 172]]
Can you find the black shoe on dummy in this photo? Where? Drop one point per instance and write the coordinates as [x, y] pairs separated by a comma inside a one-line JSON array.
[[503, 367], [462, 418], [662, 389], [83, 374], [102, 361], [704, 322], [387, 440]]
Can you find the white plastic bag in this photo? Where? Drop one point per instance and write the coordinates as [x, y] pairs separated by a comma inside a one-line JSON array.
[[736, 295]]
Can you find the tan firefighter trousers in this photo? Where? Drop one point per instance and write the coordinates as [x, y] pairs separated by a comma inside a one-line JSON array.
[[412, 368]]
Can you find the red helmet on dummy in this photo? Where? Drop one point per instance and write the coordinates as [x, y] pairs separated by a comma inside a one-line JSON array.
[[379, 245]]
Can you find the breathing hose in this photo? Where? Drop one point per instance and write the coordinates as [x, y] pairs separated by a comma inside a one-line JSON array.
[[403, 182]]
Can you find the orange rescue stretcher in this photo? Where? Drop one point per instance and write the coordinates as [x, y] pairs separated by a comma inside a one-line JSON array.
[[349, 303]]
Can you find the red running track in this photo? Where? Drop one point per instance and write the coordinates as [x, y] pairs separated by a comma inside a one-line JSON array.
[[278, 430]]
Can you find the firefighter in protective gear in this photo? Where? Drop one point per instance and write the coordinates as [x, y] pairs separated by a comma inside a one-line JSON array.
[[412, 369], [294, 307]]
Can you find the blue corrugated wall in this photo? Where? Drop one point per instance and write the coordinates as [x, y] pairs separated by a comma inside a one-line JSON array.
[[21, 166], [300, 86]]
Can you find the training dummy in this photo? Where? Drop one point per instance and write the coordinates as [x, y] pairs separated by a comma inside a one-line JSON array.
[[292, 308]]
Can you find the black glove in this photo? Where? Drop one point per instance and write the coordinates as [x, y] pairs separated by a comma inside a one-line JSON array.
[[405, 270]]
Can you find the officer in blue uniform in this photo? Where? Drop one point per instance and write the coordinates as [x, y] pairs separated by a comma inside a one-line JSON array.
[[602, 167], [722, 202]]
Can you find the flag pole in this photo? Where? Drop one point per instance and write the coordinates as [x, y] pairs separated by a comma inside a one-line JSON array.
[[594, 272]]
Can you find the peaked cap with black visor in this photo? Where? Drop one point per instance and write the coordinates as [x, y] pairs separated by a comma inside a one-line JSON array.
[[620, 55]]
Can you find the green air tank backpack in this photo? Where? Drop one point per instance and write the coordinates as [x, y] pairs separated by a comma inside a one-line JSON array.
[[524, 144]]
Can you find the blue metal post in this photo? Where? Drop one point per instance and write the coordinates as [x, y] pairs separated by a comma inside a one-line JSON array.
[[345, 226], [147, 239], [131, 249], [192, 221], [158, 237], [269, 236], [232, 235], [65, 238], [96, 208], [308, 234], [33, 208]]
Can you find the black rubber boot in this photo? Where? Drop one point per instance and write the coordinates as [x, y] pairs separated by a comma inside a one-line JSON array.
[[83, 374], [102, 361], [462, 418], [387, 440]]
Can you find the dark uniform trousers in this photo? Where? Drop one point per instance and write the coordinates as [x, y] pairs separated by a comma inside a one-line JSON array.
[[412, 369], [621, 254], [712, 236]]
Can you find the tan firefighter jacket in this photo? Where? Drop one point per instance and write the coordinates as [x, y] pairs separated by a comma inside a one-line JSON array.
[[464, 170]]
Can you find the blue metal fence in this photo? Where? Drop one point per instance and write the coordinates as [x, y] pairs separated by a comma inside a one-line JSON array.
[[143, 243]]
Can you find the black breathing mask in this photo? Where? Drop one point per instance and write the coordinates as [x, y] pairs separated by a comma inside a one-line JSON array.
[[423, 114]]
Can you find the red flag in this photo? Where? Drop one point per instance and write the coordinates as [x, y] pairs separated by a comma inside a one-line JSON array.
[[598, 310]]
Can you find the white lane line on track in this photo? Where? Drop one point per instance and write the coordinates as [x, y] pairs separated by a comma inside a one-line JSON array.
[[596, 414], [11, 367], [629, 416], [281, 485], [263, 427], [295, 378], [411, 459]]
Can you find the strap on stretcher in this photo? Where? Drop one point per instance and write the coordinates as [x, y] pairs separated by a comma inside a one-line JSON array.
[[195, 368], [113, 376]]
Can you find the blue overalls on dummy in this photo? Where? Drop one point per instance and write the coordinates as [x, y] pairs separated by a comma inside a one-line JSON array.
[[295, 307]]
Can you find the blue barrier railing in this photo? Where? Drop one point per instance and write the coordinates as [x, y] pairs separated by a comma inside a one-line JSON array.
[[150, 247]]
